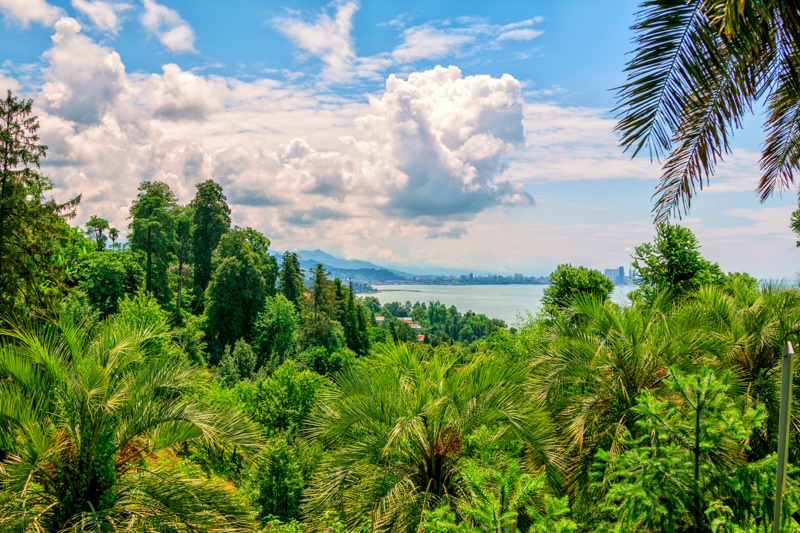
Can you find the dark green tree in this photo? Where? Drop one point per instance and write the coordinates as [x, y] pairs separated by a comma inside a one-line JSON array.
[[319, 328], [106, 277], [153, 233], [349, 321], [364, 316], [673, 263], [567, 282], [244, 275], [113, 234], [183, 247], [94, 230], [33, 230], [211, 219], [291, 282]]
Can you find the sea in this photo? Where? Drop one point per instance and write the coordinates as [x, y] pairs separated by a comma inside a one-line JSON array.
[[510, 303]]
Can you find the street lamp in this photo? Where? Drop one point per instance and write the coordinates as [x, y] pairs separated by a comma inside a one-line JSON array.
[[783, 434]]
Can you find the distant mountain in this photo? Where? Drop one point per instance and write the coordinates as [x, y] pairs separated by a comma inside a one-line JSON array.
[[358, 269], [344, 269], [318, 256]]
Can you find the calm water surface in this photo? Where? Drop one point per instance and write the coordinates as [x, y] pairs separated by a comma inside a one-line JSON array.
[[506, 302]]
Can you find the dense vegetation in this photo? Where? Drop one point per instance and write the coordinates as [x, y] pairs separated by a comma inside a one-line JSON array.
[[183, 379]]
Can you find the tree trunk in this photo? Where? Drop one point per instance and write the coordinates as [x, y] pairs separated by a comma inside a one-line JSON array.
[[180, 282], [148, 285]]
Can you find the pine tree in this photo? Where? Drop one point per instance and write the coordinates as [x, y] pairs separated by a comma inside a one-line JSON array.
[[32, 229], [320, 292], [291, 279]]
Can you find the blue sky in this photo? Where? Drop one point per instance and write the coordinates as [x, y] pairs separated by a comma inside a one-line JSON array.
[[469, 134]]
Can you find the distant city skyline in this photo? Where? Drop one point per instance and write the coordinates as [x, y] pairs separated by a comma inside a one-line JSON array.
[[439, 135]]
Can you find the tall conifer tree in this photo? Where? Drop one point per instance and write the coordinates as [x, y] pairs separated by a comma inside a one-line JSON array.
[[211, 219], [32, 229]]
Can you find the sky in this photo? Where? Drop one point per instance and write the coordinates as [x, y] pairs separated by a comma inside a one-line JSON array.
[[469, 134]]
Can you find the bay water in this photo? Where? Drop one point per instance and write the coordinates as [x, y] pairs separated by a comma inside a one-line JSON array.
[[506, 302]]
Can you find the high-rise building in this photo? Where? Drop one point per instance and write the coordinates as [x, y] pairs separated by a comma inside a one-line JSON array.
[[616, 275]]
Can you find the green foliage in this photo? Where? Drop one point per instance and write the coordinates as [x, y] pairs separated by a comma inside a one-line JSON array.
[[283, 401], [672, 263], [33, 231], [553, 517], [211, 219], [244, 276], [191, 339], [568, 282], [291, 279], [153, 233], [495, 499], [443, 520], [77, 308], [692, 450], [237, 364], [379, 336], [95, 228], [280, 477], [183, 247], [371, 303], [395, 423], [105, 278], [276, 330], [86, 410], [320, 325], [321, 361]]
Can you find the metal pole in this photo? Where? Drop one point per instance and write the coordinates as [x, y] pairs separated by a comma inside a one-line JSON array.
[[783, 431]]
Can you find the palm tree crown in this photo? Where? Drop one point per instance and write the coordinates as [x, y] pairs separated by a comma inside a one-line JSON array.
[[698, 67], [397, 423], [89, 414]]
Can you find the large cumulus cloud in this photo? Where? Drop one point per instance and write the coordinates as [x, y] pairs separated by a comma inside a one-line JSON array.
[[448, 135], [424, 156]]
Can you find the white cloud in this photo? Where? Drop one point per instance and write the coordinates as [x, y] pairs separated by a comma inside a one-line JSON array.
[[327, 38], [104, 15], [83, 78], [170, 28], [448, 135], [522, 34], [7, 83], [427, 42], [27, 11], [423, 158]]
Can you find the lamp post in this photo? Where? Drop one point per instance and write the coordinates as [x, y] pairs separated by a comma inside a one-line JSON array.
[[783, 432]]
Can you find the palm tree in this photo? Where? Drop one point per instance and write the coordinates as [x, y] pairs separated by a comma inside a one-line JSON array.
[[396, 423], [698, 67], [89, 419], [596, 364], [750, 328]]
